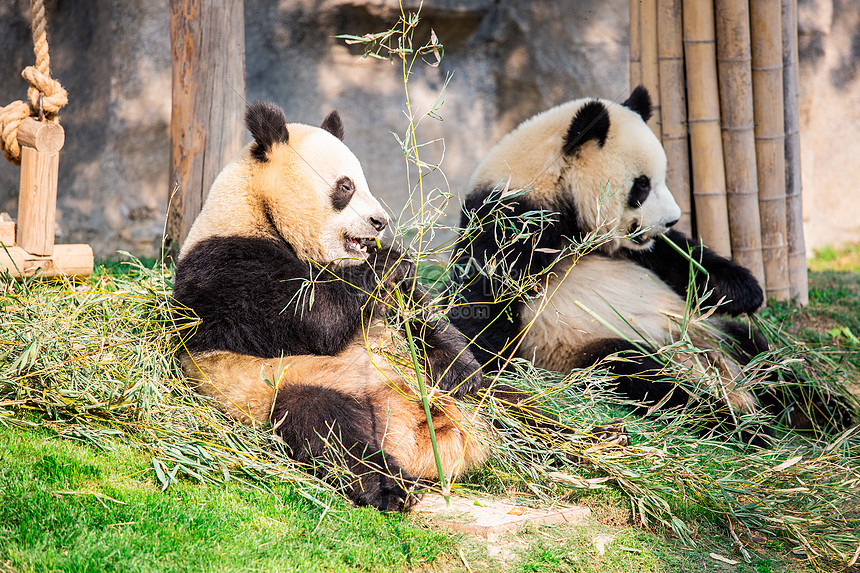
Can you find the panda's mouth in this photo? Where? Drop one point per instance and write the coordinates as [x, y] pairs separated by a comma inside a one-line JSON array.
[[359, 245], [639, 236]]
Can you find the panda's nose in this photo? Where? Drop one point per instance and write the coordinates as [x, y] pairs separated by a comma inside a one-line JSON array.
[[377, 223], [671, 224]]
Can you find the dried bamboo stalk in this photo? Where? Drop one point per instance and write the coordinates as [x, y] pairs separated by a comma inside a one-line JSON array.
[[797, 272], [703, 112], [766, 35], [635, 45], [736, 106], [673, 106], [650, 66]]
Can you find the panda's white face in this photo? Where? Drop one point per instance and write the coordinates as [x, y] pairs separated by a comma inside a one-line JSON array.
[[633, 199], [296, 183], [351, 217]]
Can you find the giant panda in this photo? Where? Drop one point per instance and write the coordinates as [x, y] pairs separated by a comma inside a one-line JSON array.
[[590, 174], [287, 290]]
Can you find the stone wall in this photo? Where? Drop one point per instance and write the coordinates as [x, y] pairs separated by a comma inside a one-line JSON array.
[[505, 60]]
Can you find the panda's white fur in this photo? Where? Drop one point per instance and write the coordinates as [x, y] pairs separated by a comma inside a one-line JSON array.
[[598, 169], [291, 292], [599, 177]]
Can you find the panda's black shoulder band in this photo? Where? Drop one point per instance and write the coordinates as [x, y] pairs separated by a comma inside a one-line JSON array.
[[591, 122], [268, 125]]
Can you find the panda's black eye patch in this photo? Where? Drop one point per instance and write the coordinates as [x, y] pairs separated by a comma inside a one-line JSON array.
[[639, 191], [342, 193]]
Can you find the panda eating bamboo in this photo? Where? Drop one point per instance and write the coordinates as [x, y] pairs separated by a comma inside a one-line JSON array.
[[283, 270], [567, 258]]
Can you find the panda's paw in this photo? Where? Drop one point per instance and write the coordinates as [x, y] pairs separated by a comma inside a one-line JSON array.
[[451, 363], [460, 377], [392, 268], [738, 289], [385, 492]]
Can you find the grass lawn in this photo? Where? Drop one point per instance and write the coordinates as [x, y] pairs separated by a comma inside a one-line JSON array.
[[107, 463]]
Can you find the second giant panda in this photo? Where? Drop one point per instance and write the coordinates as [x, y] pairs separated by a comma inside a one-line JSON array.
[[591, 172], [289, 293]]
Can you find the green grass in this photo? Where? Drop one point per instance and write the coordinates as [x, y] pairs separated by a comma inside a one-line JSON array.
[[157, 479], [67, 507], [845, 258]]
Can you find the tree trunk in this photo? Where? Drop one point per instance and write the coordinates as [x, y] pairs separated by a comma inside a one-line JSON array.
[[206, 126]]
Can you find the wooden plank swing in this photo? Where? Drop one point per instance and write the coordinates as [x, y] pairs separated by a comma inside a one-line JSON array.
[[27, 247]]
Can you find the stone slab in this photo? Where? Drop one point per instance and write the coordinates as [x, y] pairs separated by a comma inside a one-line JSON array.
[[489, 518]]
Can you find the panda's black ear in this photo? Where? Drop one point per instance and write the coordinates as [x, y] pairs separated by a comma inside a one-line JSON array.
[[333, 124], [640, 102], [268, 126], [591, 122]]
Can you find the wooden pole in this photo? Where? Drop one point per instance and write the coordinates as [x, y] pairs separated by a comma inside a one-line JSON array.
[[766, 33], [635, 45], [673, 106], [650, 64], [206, 128], [37, 195], [703, 113], [736, 106], [797, 271]]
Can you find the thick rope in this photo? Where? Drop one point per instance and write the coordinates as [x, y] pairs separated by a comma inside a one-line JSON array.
[[45, 95]]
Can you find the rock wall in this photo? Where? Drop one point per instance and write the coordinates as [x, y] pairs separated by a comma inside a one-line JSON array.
[[504, 60]]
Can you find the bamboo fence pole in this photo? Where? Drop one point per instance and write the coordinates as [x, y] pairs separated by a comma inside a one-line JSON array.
[[673, 106], [797, 272], [635, 45], [703, 112], [734, 60], [650, 64], [766, 35]]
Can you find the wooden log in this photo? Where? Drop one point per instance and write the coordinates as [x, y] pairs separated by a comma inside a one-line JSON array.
[[635, 45], [37, 200], [734, 61], [206, 129], [797, 270], [7, 230], [650, 65], [67, 260], [766, 35], [673, 106], [703, 116]]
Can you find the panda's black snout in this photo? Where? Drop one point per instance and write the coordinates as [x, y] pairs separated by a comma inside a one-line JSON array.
[[671, 224], [377, 223]]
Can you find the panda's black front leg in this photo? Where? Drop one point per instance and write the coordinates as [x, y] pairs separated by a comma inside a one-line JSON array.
[[448, 359], [316, 422], [727, 281]]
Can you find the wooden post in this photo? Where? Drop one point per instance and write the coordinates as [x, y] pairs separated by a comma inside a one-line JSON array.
[[635, 45], [37, 195], [650, 65], [703, 113], [736, 105], [206, 127], [766, 33], [797, 271], [673, 106], [28, 246]]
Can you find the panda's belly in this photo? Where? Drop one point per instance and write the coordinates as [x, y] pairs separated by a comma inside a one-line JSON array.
[[598, 297]]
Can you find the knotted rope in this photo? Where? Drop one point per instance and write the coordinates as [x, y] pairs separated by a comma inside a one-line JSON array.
[[45, 95]]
